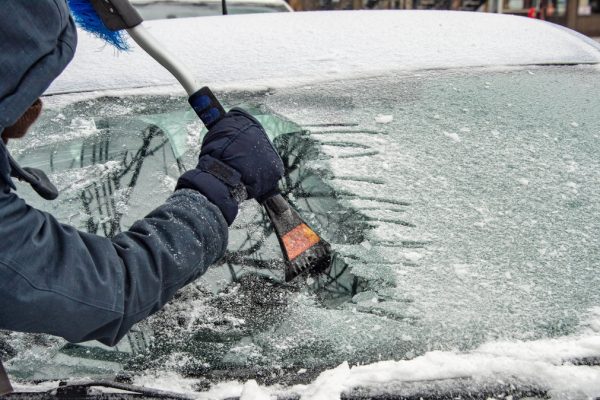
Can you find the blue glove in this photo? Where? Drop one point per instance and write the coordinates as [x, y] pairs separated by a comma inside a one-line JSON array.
[[237, 162]]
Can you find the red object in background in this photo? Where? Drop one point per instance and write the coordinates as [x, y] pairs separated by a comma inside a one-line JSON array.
[[531, 13]]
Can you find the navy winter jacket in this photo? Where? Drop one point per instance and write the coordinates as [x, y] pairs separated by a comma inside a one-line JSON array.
[[53, 278]]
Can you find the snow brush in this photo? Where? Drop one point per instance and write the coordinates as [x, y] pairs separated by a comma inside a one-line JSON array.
[[304, 250]]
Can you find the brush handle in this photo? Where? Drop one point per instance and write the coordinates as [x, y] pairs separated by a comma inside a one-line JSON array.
[[207, 107], [157, 51], [202, 100], [120, 14]]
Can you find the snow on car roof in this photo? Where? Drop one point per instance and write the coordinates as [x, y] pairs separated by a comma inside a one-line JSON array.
[[283, 49]]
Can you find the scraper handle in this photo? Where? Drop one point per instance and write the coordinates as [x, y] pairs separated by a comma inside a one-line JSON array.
[[207, 107]]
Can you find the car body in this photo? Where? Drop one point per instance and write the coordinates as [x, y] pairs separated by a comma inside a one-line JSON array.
[[450, 158], [163, 9]]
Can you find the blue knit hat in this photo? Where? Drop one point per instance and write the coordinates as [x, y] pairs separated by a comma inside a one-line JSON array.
[[37, 41]]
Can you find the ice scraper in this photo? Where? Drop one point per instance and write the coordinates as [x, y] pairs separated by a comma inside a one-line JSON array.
[[304, 250]]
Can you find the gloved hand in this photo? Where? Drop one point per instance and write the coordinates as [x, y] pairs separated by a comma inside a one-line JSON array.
[[237, 162]]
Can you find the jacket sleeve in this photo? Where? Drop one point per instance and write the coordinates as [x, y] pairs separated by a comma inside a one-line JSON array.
[[55, 279]]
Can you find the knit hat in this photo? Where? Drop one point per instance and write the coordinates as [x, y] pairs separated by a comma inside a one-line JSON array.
[[19, 128], [37, 41]]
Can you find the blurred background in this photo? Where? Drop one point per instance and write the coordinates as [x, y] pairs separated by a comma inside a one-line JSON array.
[[580, 15]]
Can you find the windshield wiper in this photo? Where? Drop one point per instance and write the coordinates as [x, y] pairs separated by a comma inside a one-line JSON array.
[[85, 390], [444, 389], [5, 386]]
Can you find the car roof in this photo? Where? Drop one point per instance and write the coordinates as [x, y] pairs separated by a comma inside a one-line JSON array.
[[283, 49]]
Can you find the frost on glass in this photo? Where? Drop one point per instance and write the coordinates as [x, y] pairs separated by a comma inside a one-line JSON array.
[[482, 189], [462, 206]]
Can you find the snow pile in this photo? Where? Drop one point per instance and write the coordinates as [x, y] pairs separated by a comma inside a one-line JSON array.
[[329, 385], [541, 364], [283, 49], [548, 364], [251, 391]]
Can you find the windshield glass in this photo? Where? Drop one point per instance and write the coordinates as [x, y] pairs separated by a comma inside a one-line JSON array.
[[462, 206], [170, 9]]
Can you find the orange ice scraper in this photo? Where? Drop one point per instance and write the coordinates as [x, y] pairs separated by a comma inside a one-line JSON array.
[[304, 250]]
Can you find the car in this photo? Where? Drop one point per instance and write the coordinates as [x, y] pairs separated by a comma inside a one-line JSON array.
[[451, 160], [163, 9]]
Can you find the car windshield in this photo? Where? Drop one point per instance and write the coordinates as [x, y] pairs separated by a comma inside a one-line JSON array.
[[163, 10], [462, 206]]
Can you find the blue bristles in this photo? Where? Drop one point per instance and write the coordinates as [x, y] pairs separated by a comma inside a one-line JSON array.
[[86, 17]]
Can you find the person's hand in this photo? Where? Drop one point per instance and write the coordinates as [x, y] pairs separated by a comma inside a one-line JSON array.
[[237, 162]]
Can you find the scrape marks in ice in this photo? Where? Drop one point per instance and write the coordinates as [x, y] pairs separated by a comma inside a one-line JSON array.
[[382, 274], [348, 132], [392, 216], [381, 304], [375, 254], [366, 179], [361, 171]]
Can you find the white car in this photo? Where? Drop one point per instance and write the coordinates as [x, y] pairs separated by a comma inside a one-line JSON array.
[[450, 158]]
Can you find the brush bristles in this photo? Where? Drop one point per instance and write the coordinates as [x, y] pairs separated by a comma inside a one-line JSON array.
[[87, 19]]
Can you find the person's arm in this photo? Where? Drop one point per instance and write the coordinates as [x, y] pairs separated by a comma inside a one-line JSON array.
[[55, 279]]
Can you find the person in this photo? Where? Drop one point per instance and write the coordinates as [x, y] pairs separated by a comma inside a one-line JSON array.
[[57, 280]]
